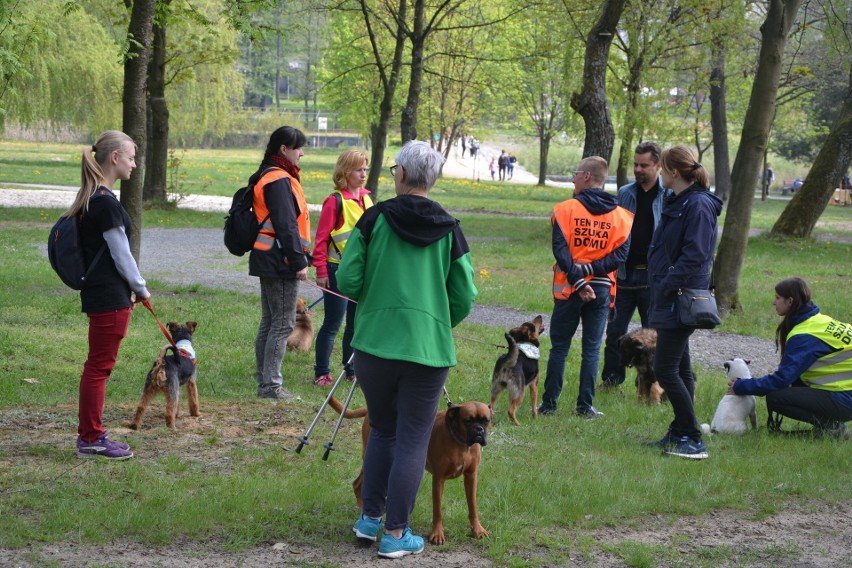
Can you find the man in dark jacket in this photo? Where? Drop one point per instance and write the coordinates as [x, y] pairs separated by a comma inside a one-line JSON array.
[[590, 237]]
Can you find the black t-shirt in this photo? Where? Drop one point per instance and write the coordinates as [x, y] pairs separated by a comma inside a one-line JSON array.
[[105, 289], [643, 227]]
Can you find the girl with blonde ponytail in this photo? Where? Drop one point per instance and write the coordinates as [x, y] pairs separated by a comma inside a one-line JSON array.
[[107, 296]]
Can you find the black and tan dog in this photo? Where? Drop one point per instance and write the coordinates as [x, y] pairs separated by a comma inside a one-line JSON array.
[[169, 373], [638, 349], [518, 369], [455, 448], [303, 332]]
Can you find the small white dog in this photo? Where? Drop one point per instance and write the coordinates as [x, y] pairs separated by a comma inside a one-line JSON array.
[[733, 409]]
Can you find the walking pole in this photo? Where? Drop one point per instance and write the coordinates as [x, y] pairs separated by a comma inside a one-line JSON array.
[[329, 447], [303, 441]]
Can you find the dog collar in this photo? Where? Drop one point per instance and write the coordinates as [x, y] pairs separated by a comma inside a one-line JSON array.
[[530, 350]]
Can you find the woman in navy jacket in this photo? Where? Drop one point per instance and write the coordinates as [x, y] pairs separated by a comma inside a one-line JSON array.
[[680, 256]]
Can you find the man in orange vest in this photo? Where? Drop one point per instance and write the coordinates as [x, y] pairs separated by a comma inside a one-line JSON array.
[[590, 237]]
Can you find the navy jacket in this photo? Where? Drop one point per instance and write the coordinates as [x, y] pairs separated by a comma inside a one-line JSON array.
[[681, 251]]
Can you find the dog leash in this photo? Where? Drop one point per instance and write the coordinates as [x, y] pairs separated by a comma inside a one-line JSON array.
[[168, 335], [315, 285]]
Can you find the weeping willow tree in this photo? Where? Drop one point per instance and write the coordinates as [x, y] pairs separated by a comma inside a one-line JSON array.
[[73, 80]]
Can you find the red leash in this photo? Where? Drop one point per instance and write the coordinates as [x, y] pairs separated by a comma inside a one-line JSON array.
[[165, 331]]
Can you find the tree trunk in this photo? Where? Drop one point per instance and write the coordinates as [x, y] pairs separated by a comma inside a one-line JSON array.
[[408, 121], [591, 102], [801, 214], [756, 126], [625, 153], [379, 133], [543, 152], [157, 152], [133, 115], [719, 123]]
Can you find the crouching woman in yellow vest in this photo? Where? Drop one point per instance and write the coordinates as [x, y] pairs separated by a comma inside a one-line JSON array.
[[813, 383]]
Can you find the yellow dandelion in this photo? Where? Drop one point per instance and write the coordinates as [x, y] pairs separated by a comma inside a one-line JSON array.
[[484, 274]]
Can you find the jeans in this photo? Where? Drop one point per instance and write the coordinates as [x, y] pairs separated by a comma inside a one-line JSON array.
[[106, 330], [278, 316], [403, 399], [632, 293], [335, 308], [566, 317], [673, 368]]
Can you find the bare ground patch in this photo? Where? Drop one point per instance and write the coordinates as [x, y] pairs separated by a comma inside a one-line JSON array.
[[809, 534]]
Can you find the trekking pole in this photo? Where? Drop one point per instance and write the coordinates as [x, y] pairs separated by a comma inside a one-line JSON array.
[[329, 447], [303, 441]]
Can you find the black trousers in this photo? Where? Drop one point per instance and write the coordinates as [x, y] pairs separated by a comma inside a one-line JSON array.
[[805, 404]]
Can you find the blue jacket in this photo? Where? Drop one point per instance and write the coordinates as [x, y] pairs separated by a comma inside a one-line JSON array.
[[801, 352], [627, 199], [681, 251]]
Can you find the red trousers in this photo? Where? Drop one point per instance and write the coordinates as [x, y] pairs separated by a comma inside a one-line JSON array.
[[106, 330]]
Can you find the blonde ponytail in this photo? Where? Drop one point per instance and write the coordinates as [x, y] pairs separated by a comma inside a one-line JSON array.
[[91, 174]]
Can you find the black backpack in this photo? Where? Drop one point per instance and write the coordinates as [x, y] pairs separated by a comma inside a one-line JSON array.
[[65, 253], [241, 226]]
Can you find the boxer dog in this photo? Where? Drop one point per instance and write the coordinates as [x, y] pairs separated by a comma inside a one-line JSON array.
[[455, 448], [733, 409]]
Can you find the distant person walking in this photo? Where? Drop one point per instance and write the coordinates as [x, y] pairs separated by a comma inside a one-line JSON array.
[[492, 167], [510, 166], [502, 163]]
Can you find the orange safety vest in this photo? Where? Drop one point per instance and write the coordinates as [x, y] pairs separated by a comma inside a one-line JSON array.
[[266, 235], [589, 237]]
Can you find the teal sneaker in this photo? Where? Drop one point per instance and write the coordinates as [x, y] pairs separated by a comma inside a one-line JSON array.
[[367, 528], [391, 547]]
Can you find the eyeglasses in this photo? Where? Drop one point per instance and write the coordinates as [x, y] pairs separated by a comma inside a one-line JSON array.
[[579, 172], [393, 170]]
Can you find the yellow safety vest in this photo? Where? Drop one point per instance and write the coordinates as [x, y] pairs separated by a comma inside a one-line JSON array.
[[833, 372], [351, 213]]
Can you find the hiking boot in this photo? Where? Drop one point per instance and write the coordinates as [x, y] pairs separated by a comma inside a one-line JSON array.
[[391, 547], [688, 448], [278, 393], [665, 442], [367, 528], [588, 413], [103, 447]]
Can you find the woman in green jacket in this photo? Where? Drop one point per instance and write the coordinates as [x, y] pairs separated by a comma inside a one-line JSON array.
[[408, 266]]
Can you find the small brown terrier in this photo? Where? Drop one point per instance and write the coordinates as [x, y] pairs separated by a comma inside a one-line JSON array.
[[303, 332], [638, 349], [169, 373], [518, 369], [455, 448]]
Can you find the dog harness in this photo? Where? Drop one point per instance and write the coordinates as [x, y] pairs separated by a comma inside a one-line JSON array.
[[186, 350], [530, 350]]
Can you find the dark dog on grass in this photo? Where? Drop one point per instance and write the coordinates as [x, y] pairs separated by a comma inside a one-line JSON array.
[[303, 332], [638, 349], [518, 369], [170, 372], [455, 448]]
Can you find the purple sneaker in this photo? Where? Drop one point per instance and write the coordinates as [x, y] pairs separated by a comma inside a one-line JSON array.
[[103, 447]]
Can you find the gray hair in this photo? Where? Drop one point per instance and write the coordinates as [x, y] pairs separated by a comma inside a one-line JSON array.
[[421, 163]]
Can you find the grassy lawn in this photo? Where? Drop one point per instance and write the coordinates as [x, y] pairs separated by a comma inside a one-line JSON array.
[[224, 479]]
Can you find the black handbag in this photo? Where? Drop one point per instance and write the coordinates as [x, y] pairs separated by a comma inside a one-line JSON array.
[[697, 308]]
